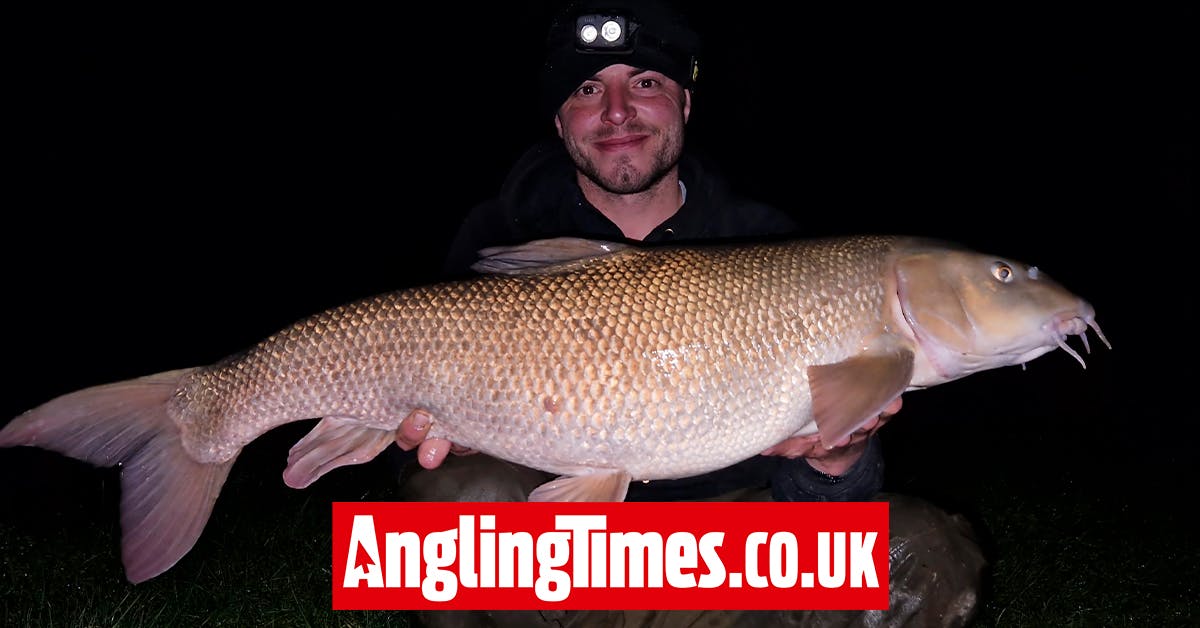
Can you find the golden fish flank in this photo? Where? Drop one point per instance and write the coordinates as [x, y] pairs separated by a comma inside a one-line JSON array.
[[596, 361]]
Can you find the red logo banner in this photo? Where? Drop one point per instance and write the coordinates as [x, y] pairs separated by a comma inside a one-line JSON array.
[[626, 555]]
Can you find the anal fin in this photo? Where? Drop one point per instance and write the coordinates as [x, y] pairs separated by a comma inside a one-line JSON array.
[[609, 486], [334, 442]]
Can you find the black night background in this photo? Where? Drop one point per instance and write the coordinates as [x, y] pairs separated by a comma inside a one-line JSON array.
[[186, 182]]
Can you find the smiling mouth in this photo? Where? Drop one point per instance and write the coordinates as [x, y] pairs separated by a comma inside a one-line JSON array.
[[621, 142]]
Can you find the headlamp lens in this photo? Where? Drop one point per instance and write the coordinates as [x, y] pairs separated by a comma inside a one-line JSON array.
[[587, 34], [611, 31]]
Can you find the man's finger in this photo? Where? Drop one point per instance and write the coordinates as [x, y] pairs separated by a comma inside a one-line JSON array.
[[869, 426], [413, 429], [432, 452], [794, 447]]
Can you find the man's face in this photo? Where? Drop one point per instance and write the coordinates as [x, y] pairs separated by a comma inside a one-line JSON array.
[[624, 127]]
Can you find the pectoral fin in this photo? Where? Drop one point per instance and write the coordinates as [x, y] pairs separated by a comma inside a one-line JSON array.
[[333, 443], [849, 393], [596, 487]]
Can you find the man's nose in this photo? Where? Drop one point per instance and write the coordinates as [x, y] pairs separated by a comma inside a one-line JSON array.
[[617, 107]]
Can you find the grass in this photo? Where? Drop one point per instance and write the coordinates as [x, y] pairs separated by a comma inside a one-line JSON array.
[[264, 559], [1070, 561], [1081, 526]]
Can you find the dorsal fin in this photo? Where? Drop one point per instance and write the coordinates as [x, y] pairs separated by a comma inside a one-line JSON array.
[[553, 255]]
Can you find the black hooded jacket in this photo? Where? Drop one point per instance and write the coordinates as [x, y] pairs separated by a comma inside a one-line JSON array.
[[541, 199]]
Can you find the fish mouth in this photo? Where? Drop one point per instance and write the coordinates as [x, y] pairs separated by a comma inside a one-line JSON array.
[[1066, 324]]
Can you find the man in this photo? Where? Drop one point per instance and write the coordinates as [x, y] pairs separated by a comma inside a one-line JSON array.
[[618, 171]]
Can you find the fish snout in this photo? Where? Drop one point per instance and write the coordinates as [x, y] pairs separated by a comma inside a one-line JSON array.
[[1075, 323], [1068, 325]]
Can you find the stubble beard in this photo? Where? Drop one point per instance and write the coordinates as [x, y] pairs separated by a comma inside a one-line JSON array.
[[624, 177]]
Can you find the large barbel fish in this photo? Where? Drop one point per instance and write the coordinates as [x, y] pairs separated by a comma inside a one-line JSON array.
[[601, 362]]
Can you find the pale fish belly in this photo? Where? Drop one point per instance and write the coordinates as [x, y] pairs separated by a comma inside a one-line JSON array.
[[656, 422]]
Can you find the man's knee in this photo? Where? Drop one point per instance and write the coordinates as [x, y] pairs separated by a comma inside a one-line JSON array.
[[936, 564]]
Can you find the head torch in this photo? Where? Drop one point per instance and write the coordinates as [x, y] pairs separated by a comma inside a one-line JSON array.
[[602, 33], [598, 33]]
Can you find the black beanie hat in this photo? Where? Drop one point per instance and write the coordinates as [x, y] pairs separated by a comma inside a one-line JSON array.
[[658, 38]]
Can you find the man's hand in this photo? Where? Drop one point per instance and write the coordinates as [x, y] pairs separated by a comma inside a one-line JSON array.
[[431, 452], [843, 455]]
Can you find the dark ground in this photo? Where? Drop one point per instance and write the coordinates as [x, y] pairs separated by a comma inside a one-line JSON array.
[[196, 181]]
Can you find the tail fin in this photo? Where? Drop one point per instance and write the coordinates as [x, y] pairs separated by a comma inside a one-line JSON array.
[[166, 496]]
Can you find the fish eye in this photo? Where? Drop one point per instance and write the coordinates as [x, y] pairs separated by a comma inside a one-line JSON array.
[[1002, 272]]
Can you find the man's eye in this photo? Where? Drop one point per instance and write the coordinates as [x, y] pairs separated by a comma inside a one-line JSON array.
[[646, 83], [586, 90]]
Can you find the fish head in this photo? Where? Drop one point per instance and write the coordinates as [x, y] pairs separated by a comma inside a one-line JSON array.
[[971, 312]]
